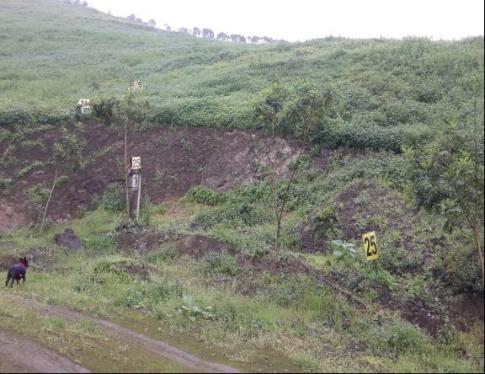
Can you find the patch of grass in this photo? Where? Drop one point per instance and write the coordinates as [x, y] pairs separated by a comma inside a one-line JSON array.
[[216, 263]]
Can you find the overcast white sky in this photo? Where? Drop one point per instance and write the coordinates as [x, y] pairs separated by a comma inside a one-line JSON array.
[[306, 19]]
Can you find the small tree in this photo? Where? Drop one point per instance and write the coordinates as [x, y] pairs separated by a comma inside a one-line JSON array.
[[222, 36], [196, 31], [66, 156], [447, 176], [304, 114], [208, 33]]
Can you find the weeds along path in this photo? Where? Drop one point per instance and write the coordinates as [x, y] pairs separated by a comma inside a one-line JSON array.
[[144, 342], [20, 355]]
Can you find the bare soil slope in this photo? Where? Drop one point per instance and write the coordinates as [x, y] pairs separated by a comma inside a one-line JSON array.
[[173, 160]]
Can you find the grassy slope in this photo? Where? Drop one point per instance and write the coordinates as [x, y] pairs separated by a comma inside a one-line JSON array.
[[52, 54]]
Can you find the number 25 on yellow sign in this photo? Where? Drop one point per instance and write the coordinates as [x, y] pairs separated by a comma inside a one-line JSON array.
[[370, 246]]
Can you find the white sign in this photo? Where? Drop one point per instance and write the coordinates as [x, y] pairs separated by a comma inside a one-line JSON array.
[[136, 163]]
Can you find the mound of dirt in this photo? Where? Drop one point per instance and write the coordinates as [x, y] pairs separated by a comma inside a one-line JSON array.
[[135, 270], [199, 245], [140, 238], [68, 239], [466, 309], [273, 265], [311, 237]]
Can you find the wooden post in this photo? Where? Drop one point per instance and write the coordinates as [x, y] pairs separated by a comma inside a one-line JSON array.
[[138, 198]]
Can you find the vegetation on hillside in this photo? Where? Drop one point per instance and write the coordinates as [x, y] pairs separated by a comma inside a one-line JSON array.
[[405, 122], [386, 92]]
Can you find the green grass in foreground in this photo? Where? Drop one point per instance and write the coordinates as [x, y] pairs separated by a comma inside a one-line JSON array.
[[299, 321]]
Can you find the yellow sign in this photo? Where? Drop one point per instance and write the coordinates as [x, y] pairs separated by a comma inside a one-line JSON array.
[[370, 246], [136, 163]]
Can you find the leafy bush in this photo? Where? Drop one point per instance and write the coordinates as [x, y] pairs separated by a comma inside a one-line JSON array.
[[204, 195], [461, 269], [62, 181], [131, 298], [193, 311], [234, 214], [401, 337], [113, 198], [105, 109]]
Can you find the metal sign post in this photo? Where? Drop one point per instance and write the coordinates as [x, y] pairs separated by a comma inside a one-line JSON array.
[[138, 199], [136, 182]]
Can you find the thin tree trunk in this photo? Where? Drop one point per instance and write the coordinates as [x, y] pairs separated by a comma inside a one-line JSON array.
[[48, 200], [476, 236], [127, 197], [280, 210]]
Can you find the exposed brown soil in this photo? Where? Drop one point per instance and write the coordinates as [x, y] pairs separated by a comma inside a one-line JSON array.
[[312, 238], [414, 312], [18, 354], [173, 160], [272, 265], [10, 216], [199, 245], [131, 238], [466, 309], [68, 239]]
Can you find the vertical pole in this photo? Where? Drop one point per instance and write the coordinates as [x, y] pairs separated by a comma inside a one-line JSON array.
[[127, 197], [138, 199], [376, 267]]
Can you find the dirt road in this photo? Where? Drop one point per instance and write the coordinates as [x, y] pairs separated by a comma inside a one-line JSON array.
[[20, 355], [112, 330]]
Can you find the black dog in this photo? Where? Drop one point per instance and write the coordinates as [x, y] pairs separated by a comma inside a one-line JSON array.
[[17, 272]]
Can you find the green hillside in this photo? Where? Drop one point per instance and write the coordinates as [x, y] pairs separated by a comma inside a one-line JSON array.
[[248, 250], [54, 53]]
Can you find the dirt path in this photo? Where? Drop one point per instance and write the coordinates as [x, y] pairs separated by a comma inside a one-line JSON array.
[[20, 355], [154, 346]]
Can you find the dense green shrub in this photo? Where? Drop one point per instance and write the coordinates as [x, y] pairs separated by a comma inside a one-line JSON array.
[[397, 338], [106, 109], [372, 137], [113, 197], [234, 214], [461, 269], [205, 195]]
